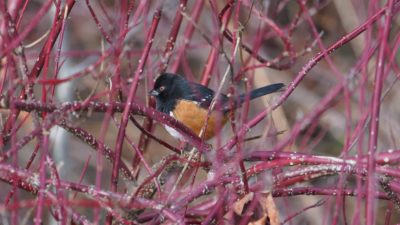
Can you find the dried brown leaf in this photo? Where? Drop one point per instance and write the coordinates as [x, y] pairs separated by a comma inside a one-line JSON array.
[[268, 205], [239, 205]]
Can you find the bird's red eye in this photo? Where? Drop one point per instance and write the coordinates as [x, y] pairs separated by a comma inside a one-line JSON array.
[[162, 88]]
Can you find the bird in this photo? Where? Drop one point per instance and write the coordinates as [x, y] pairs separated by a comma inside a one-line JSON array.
[[189, 102]]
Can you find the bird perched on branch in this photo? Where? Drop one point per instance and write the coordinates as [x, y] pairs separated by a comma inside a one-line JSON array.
[[189, 103]]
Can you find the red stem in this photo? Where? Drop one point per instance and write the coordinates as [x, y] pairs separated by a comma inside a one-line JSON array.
[[376, 103], [127, 109]]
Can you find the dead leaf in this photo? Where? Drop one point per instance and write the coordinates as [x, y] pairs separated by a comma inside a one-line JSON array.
[[268, 205], [261, 221], [239, 205]]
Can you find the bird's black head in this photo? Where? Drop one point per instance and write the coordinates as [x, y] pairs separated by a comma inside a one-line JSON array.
[[168, 88]]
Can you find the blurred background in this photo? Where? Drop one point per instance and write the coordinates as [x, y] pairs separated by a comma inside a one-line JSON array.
[[99, 48]]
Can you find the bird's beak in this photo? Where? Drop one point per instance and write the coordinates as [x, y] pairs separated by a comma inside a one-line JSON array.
[[154, 93]]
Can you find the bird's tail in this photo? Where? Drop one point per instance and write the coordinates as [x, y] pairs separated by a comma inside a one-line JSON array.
[[254, 94]]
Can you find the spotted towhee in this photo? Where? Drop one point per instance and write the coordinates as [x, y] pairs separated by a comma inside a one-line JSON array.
[[188, 102]]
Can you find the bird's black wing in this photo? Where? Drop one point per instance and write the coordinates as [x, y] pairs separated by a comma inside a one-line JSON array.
[[204, 96]]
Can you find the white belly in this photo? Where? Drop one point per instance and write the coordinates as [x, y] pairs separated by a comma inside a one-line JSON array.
[[172, 131]]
